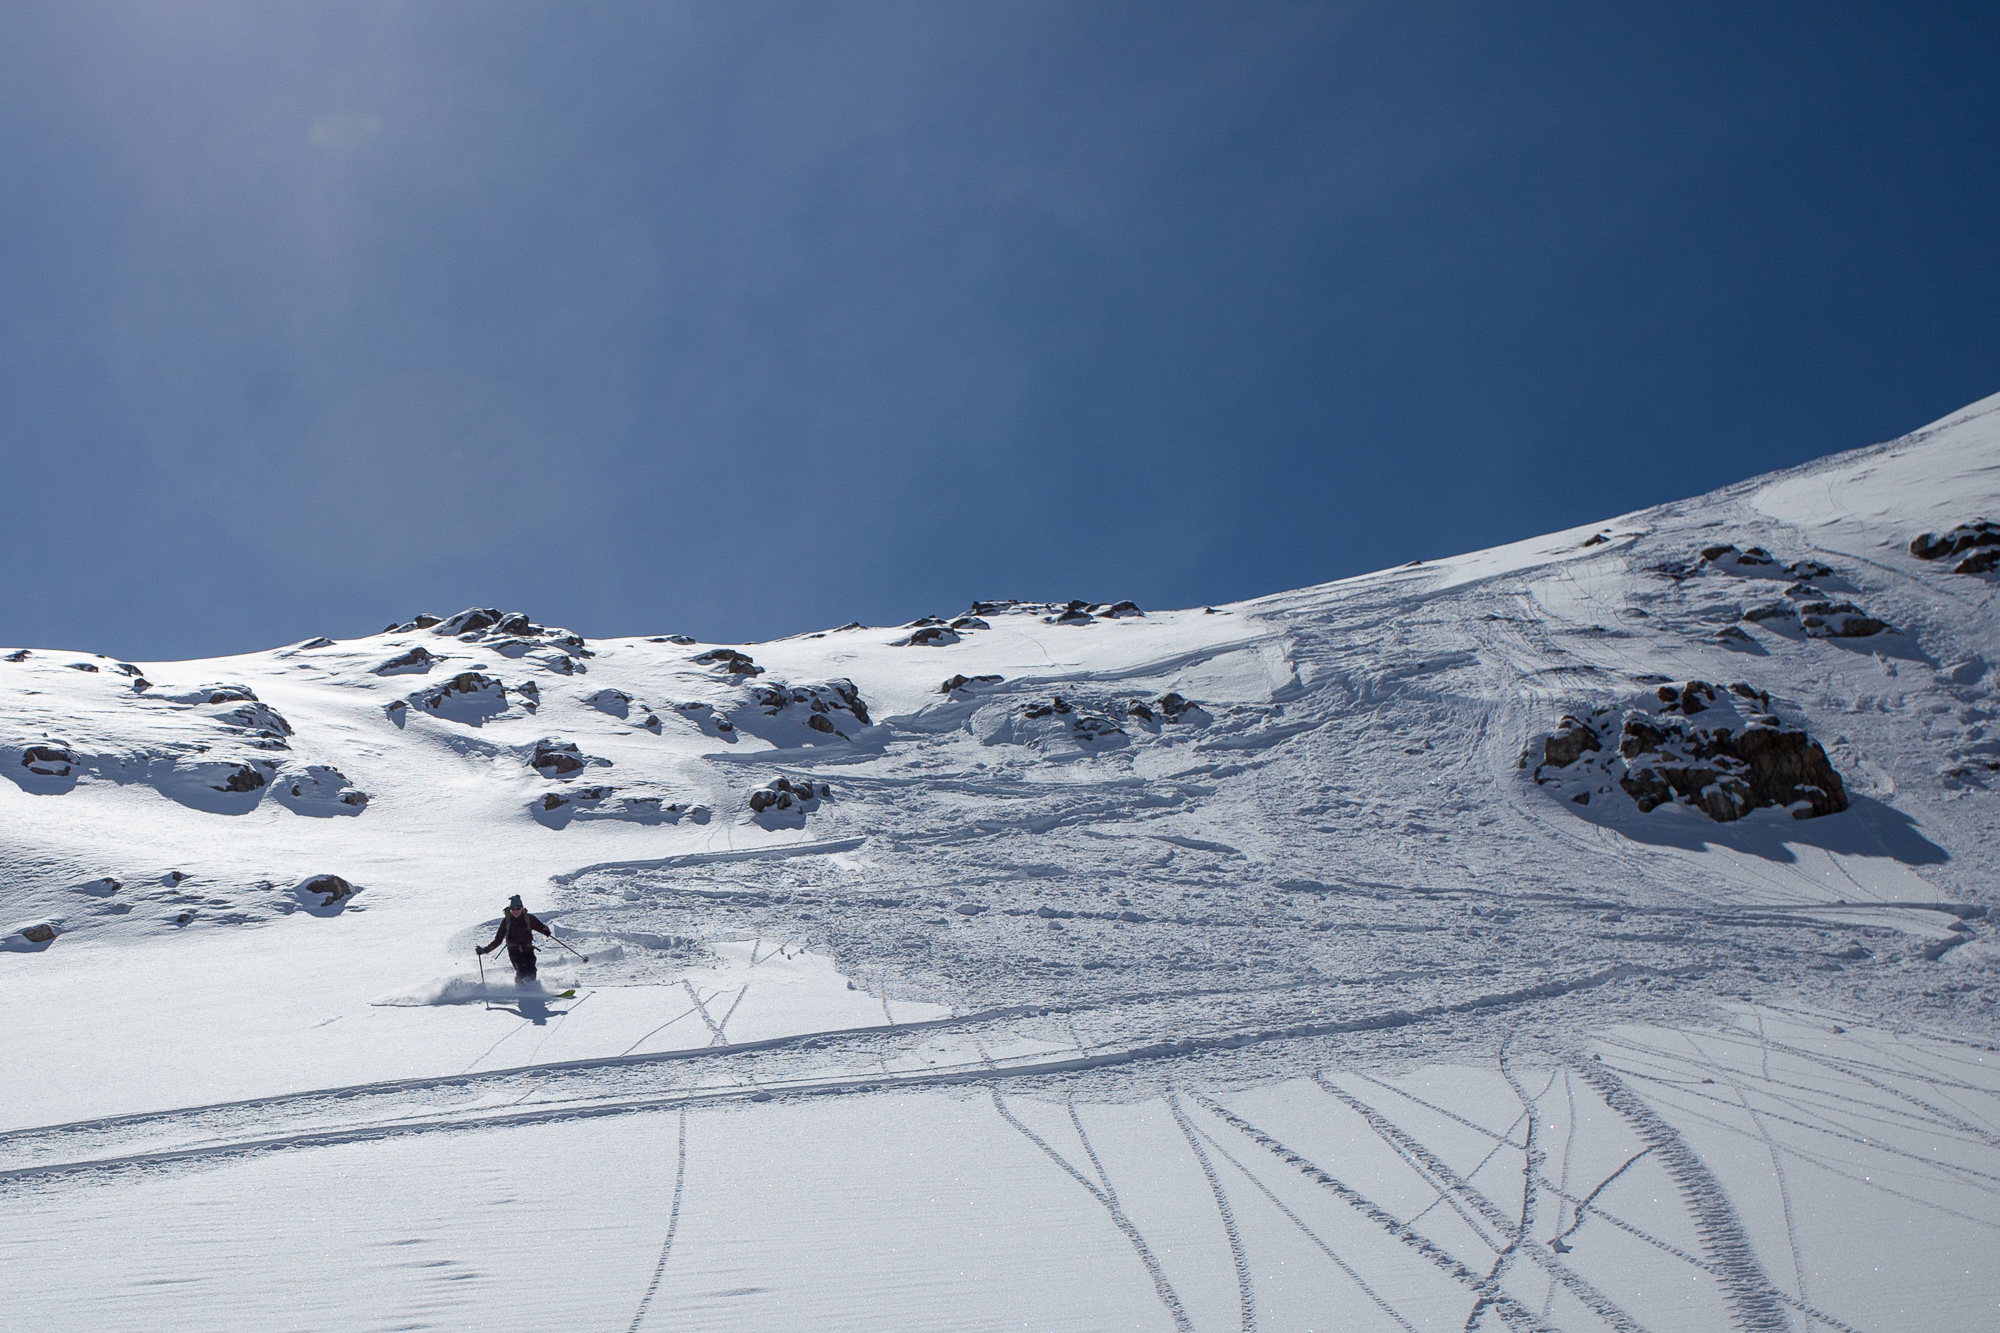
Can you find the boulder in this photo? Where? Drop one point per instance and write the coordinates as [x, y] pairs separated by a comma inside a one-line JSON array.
[[1837, 620], [82, 666], [50, 759], [935, 636], [259, 723], [1963, 538], [418, 659], [1120, 610], [960, 682], [1570, 741], [728, 661], [1979, 562], [784, 794], [39, 933], [1738, 758], [19, 655], [681, 639], [324, 891], [241, 778], [554, 759], [969, 623]]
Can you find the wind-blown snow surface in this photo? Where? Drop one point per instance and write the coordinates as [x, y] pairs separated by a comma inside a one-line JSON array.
[[1238, 967]]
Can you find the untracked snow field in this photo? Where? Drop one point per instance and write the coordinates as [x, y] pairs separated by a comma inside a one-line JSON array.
[[1586, 933]]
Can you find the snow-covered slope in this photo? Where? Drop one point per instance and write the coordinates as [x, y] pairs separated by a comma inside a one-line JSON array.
[[1525, 827]]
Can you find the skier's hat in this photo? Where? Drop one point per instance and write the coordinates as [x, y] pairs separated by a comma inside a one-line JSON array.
[[514, 901]]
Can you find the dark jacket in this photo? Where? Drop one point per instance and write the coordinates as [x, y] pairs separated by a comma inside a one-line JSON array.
[[514, 930]]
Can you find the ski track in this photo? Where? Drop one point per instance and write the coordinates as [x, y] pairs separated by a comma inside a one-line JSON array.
[[673, 1225], [1340, 868]]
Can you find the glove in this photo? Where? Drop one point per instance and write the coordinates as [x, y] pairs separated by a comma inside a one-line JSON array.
[[479, 948]]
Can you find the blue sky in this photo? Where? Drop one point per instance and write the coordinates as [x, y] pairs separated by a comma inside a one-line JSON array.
[[739, 320]]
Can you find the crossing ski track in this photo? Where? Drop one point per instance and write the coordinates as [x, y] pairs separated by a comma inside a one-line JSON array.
[[1225, 968]]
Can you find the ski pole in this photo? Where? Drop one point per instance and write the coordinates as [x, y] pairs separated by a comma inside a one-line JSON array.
[[482, 967], [584, 956]]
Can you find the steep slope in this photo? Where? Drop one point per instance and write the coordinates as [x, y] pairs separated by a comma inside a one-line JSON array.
[[1735, 749]]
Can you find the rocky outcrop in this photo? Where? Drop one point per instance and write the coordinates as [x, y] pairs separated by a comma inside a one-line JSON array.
[[1726, 556], [259, 724], [510, 632], [1817, 614], [417, 659], [937, 635], [556, 759], [1170, 707], [41, 932], [50, 759], [830, 708], [1570, 741], [784, 794], [728, 661], [1738, 758], [1978, 538], [960, 682], [321, 892], [321, 789], [464, 686]]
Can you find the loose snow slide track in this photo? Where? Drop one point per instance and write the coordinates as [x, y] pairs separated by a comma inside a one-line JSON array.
[[1246, 967]]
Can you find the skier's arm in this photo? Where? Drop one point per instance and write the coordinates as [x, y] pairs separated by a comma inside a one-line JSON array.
[[498, 935], [535, 923]]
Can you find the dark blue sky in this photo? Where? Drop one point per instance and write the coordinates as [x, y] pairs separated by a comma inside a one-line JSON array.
[[738, 320]]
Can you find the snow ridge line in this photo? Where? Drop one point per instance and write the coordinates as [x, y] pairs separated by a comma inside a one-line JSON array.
[[1246, 1295], [1510, 1309], [673, 1225], [1168, 1296], [1748, 1290]]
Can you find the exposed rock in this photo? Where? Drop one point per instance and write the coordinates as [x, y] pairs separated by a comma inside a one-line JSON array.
[[1569, 742], [1963, 538], [1742, 758], [50, 759], [784, 794], [1980, 562], [969, 623], [322, 786], [555, 759], [242, 778], [681, 639], [1769, 611], [82, 666], [728, 661], [417, 659], [259, 723], [39, 933], [936, 636], [966, 683], [216, 694], [464, 685], [615, 702], [1174, 707], [19, 655], [1837, 620], [825, 704], [1074, 613], [310, 644], [1729, 558], [1119, 610], [323, 891]]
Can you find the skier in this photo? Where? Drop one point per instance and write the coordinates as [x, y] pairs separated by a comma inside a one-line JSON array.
[[516, 925]]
